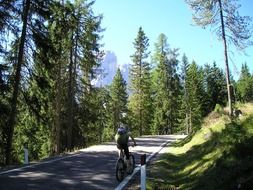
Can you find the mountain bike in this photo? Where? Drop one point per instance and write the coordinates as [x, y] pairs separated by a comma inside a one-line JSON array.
[[121, 165]]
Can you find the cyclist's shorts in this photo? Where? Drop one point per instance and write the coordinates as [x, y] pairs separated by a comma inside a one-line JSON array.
[[122, 146]]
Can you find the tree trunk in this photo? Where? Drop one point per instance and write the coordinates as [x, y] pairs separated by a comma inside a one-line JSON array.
[[187, 123], [70, 103], [226, 59], [140, 99], [140, 113], [190, 126], [13, 114], [58, 108], [72, 80]]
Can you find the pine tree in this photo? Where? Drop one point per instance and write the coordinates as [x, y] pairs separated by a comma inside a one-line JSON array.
[[229, 26], [167, 86], [215, 82], [19, 23], [175, 88], [140, 100], [185, 100], [78, 53], [195, 86], [17, 77], [4, 107], [244, 85], [105, 128], [7, 13], [54, 56], [36, 114], [89, 62], [58, 25], [119, 98]]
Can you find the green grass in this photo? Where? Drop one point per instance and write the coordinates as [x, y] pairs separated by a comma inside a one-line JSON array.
[[218, 156]]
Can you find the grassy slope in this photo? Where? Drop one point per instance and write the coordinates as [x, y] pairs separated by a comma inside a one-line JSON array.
[[218, 156]]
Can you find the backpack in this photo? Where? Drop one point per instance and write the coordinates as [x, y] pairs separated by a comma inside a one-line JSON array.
[[121, 130], [121, 136]]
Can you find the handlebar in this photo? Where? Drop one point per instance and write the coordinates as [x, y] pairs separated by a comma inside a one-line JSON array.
[[132, 144]]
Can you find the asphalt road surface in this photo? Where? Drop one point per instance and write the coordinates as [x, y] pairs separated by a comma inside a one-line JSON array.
[[90, 168]]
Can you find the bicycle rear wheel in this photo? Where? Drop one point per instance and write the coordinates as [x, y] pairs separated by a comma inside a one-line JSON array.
[[131, 164], [120, 170]]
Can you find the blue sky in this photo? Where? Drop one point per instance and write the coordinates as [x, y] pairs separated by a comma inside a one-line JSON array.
[[122, 19]]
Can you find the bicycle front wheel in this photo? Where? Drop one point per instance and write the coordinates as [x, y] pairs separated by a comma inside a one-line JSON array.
[[120, 170]]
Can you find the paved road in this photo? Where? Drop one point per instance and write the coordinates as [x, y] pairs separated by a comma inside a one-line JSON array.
[[91, 168]]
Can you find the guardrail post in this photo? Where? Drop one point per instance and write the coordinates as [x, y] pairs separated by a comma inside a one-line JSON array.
[[143, 172]]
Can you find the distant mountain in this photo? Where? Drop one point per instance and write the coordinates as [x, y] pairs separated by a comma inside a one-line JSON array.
[[124, 68], [109, 67]]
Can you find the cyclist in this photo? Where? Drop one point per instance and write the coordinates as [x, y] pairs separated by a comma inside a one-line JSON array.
[[121, 138]]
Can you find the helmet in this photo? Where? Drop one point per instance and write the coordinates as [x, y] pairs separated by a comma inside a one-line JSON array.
[[121, 130]]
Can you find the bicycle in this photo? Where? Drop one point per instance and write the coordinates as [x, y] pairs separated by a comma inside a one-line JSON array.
[[121, 165]]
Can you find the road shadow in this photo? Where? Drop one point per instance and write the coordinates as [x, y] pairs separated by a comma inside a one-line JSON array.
[[91, 168]]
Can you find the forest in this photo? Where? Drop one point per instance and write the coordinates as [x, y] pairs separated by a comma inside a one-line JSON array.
[[51, 53]]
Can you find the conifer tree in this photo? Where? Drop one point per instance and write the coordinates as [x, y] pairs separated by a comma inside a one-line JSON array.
[[58, 25], [195, 86], [4, 106], [215, 82], [244, 85], [54, 56], [17, 78], [89, 60], [21, 22], [229, 26], [118, 102], [185, 99], [7, 13], [140, 100], [167, 86]]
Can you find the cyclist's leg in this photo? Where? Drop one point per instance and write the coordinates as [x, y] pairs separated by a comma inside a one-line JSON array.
[[119, 148], [126, 150]]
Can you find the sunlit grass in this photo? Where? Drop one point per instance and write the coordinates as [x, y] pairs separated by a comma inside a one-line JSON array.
[[218, 156]]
